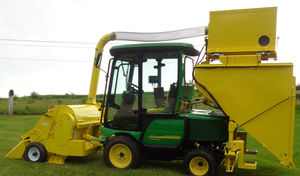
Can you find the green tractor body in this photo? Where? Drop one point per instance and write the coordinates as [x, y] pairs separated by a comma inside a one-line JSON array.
[[148, 100]]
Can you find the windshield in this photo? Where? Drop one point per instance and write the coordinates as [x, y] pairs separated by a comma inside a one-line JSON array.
[[141, 83]]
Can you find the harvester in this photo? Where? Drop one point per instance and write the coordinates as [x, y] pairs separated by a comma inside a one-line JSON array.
[[147, 108]]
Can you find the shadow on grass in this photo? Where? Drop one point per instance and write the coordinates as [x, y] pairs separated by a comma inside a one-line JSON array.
[[169, 166], [173, 166], [83, 160], [177, 167], [261, 171]]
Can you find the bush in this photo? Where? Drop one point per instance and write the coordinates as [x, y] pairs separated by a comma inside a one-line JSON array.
[[34, 95], [48, 97], [99, 98], [59, 101], [30, 100], [298, 96], [30, 105], [83, 100], [298, 104], [16, 97], [70, 96]]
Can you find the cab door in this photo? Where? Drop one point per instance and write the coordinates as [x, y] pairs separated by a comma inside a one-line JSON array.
[[164, 132], [160, 85], [122, 101]]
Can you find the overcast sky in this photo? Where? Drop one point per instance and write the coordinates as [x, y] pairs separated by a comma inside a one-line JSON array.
[[59, 68]]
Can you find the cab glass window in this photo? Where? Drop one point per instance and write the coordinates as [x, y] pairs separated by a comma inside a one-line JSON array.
[[160, 75]]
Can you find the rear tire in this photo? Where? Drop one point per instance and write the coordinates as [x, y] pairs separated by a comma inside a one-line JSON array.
[[200, 162], [122, 152], [35, 152]]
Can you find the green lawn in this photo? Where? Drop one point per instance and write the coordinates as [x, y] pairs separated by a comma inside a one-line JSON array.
[[12, 128]]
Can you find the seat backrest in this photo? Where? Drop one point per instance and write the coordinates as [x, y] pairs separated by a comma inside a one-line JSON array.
[[159, 97]]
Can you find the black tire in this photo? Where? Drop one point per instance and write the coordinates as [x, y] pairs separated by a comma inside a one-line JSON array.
[[124, 144], [200, 162], [219, 159], [35, 152]]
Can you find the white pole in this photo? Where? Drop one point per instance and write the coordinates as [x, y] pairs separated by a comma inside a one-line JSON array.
[[11, 103]]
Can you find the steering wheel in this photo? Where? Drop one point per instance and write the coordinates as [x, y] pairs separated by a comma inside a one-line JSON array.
[[133, 86]]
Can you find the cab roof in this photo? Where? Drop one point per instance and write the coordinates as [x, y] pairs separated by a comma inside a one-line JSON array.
[[186, 48]]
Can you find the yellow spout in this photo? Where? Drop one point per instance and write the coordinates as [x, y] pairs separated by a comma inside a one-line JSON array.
[[96, 67]]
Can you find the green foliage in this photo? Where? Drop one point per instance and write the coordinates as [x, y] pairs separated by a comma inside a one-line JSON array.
[[48, 97], [59, 101], [83, 99], [16, 97], [70, 96], [197, 93], [297, 104], [99, 98], [298, 96], [30, 106], [34, 95], [29, 100], [298, 87]]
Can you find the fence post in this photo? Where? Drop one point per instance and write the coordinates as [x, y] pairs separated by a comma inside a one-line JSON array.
[[11, 103]]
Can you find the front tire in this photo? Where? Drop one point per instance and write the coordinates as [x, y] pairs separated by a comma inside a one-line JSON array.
[[122, 152], [35, 152], [200, 162]]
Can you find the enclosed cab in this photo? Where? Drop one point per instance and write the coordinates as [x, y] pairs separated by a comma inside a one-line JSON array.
[[147, 103]]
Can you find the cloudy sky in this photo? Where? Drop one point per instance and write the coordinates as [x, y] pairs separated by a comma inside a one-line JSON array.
[[73, 27]]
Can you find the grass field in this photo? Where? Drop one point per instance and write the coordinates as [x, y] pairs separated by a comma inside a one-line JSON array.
[[38, 105], [12, 128]]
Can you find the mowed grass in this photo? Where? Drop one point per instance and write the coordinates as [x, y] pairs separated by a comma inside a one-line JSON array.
[[11, 128]]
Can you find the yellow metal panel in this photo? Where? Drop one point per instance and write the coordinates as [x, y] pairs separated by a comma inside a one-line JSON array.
[[17, 152], [72, 148], [240, 60], [64, 128], [259, 98], [240, 30], [61, 130], [56, 159], [71, 124], [86, 114], [41, 129]]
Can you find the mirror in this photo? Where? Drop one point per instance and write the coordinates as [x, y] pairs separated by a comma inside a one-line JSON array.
[[98, 60], [188, 70]]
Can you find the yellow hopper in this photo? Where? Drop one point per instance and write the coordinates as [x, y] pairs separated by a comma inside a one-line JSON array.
[[256, 95]]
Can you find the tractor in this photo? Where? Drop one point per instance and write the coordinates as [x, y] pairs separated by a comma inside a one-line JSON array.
[[147, 110], [148, 107]]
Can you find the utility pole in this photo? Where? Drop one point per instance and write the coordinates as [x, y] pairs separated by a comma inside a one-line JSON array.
[[11, 103]]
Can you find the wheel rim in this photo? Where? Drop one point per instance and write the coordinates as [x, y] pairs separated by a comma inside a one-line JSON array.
[[34, 154], [199, 166], [120, 155]]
